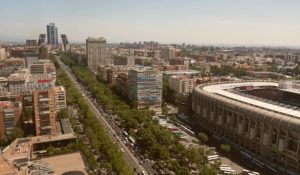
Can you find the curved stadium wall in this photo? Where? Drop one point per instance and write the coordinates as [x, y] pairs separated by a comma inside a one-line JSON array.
[[268, 137]]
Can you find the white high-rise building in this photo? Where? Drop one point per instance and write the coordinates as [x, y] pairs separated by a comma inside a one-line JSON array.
[[96, 53], [145, 86]]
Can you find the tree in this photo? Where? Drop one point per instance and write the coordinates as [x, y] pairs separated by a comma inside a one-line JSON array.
[[152, 139], [16, 133], [27, 114], [165, 108], [225, 147], [297, 70], [63, 113], [203, 137]]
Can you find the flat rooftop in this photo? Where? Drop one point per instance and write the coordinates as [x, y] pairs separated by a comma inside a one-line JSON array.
[[220, 89], [66, 163], [5, 167], [178, 72], [21, 148]]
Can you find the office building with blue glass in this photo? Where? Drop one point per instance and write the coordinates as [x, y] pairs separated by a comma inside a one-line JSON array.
[[52, 35]]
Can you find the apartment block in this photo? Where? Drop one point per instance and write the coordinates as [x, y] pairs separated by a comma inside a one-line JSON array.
[[167, 53], [10, 113], [181, 84], [16, 82], [45, 111], [17, 63], [60, 98], [145, 86], [96, 52]]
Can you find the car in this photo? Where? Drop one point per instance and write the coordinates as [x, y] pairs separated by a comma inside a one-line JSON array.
[[143, 172]]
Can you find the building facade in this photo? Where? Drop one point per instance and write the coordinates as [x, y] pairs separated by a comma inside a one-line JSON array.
[[42, 39], [3, 54], [96, 53], [10, 117], [181, 84], [167, 53], [257, 129], [145, 86], [44, 110], [60, 98], [65, 43], [31, 43], [16, 82], [52, 35]]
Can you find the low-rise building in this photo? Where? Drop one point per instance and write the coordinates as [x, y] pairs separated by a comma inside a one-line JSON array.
[[189, 73], [16, 63]]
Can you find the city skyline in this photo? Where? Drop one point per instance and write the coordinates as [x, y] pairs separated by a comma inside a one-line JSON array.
[[196, 22]]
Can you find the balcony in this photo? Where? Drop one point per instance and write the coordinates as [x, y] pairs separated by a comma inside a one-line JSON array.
[[44, 112], [43, 99]]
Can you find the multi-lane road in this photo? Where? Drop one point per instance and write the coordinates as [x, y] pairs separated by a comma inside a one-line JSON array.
[[130, 158]]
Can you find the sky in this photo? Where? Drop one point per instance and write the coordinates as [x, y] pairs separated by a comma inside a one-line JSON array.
[[220, 22]]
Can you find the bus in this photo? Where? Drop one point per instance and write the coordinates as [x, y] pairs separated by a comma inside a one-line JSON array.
[[131, 140]]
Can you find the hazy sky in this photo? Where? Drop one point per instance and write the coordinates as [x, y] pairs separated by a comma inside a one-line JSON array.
[[266, 22]]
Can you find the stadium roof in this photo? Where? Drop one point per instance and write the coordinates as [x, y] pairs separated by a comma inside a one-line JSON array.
[[220, 89]]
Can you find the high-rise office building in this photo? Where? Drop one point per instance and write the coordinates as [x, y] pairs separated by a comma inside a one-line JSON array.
[[96, 53], [42, 39], [52, 35], [65, 42], [44, 110], [167, 53], [145, 86]]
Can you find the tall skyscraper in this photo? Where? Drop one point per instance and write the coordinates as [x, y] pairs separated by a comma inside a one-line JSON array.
[[65, 42], [96, 52], [145, 86], [52, 35], [42, 39], [44, 110]]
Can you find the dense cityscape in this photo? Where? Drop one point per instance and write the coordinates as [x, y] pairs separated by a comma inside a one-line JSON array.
[[102, 107]]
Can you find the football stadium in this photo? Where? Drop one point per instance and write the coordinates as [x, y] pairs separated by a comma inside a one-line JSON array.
[[261, 119]]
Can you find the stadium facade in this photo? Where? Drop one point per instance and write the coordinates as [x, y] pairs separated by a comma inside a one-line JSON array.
[[254, 117]]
